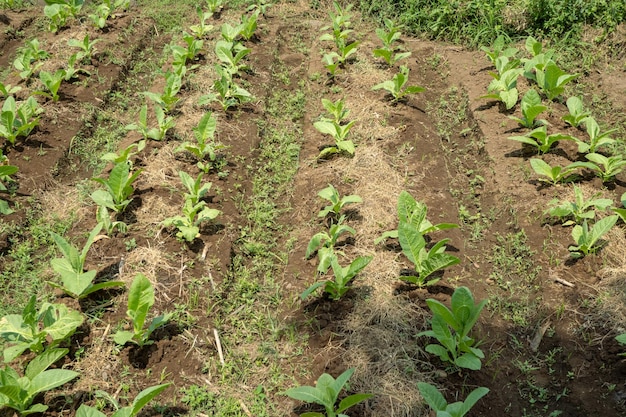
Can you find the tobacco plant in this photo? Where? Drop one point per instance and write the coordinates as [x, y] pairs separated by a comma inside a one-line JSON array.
[[249, 24], [397, 87], [195, 210], [230, 33], [214, 6], [451, 328], [498, 49], [531, 108], [118, 188], [438, 403], [552, 80], [575, 212], [205, 149], [331, 63], [587, 238], [597, 138], [337, 110], [540, 139], [229, 94], [606, 167], [5, 179], [19, 392], [232, 56], [36, 328], [577, 113], [342, 276], [339, 132], [58, 15], [52, 82], [18, 121], [325, 393], [202, 29], [339, 33], [140, 301], [331, 195], [23, 63], [7, 90], [71, 71], [126, 154], [71, 267], [141, 400], [167, 100], [104, 218], [557, 174], [324, 243], [100, 15], [164, 123], [389, 52], [503, 87]]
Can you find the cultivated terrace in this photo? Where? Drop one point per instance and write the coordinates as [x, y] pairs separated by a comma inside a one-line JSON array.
[[259, 208]]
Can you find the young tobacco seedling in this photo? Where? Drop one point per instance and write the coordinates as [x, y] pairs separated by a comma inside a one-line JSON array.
[[498, 49], [52, 82], [5, 178], [343, 275], [205, 149], [52, 323], [539, 60], [141, 400], [260, 6], [339, 132], [426, 262], [229, 94], [19, 392], [230, 33], [596, 138], [249, 24], [23, 63], [325, 393], [337, 110], [438, 403], [194, 209], [202, 29], [621, 212], [575, 212], [577, 113], [503, 87], [7, 90], [118, 188], [168, 100], [531, 108], [140, 301], [388, 37], [557, 174], [340, 33], [551, 79], [324, 243], [99, 18], [331, 195], [58, 15], [455, 347], [413, 212], [232, 56], [86, 47], [587, 239], [126, 154], [71, 71], [214, 6], [104, 218], [331, 63], [397, 86], [540, 139], [18, 121], [74, 281], [606, 167]]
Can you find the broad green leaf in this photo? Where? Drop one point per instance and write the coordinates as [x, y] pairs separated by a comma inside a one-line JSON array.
[[432, 396], [86, 411], [307, 394], [351, 401], [122, 337], [140, 299], [441, 310], [65, 324], [473, 398], [145, 396], [601, 228], [411, 241], [50, 379], [468, 361], [43, 361], [311, 289]]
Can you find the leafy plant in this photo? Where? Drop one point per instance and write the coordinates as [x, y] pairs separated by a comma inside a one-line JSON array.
[[607, 167], [205, 149], [167, 100], [23, 63], [140, 301], [141, 400], [438, 403], [249, 24], [389, 52], [229, 32], [52, 82], [52, 323], [104, 218], [577, 113], [621, 212], [498, 49], [6, 171], [202, 29], [195, 210], [214, 6], [74, 6], [71, 71], [343, 275], [102, 13], [397, 85], [340, 32], [540, 58], [18, 121], [531, 107], [32, 48], [551, 79], [455, 346], [260, 6], [540, 139], [597, 138], [58, 15], [325, 393], [324, 243], [85, 45], [229, 94], [331, 194], [413, 212], [330, 64], [7, 90], [231, 56], [19, 392], [74, 281], [575, 212], [339, 132], [557, 174], [426, 262], [125, 155], [503, 87], [587, 239], [118, 188], [336, 109]]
